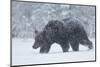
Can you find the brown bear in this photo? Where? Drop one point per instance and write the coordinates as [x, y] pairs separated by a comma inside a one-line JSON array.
[[65, 32]]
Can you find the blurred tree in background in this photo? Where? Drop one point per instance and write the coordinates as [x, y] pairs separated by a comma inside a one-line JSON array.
[[28, 17]]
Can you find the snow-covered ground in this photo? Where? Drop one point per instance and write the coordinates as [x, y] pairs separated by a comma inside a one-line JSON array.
[[23, 54]]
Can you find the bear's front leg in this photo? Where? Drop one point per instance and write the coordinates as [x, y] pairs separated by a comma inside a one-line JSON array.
[[75, 45], [44, 49]]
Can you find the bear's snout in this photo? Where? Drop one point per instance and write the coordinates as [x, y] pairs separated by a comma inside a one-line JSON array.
[[34, 47]]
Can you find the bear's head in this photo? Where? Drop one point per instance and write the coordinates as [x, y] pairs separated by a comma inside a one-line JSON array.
[[39, 40]]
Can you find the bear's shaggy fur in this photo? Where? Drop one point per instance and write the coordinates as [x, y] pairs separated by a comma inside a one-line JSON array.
[[64, 32]]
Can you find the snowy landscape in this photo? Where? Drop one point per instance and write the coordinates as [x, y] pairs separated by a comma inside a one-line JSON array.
[[27, 17], [24, 54]]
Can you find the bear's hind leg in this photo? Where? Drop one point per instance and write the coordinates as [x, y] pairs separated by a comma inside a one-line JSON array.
[[87, 43]]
